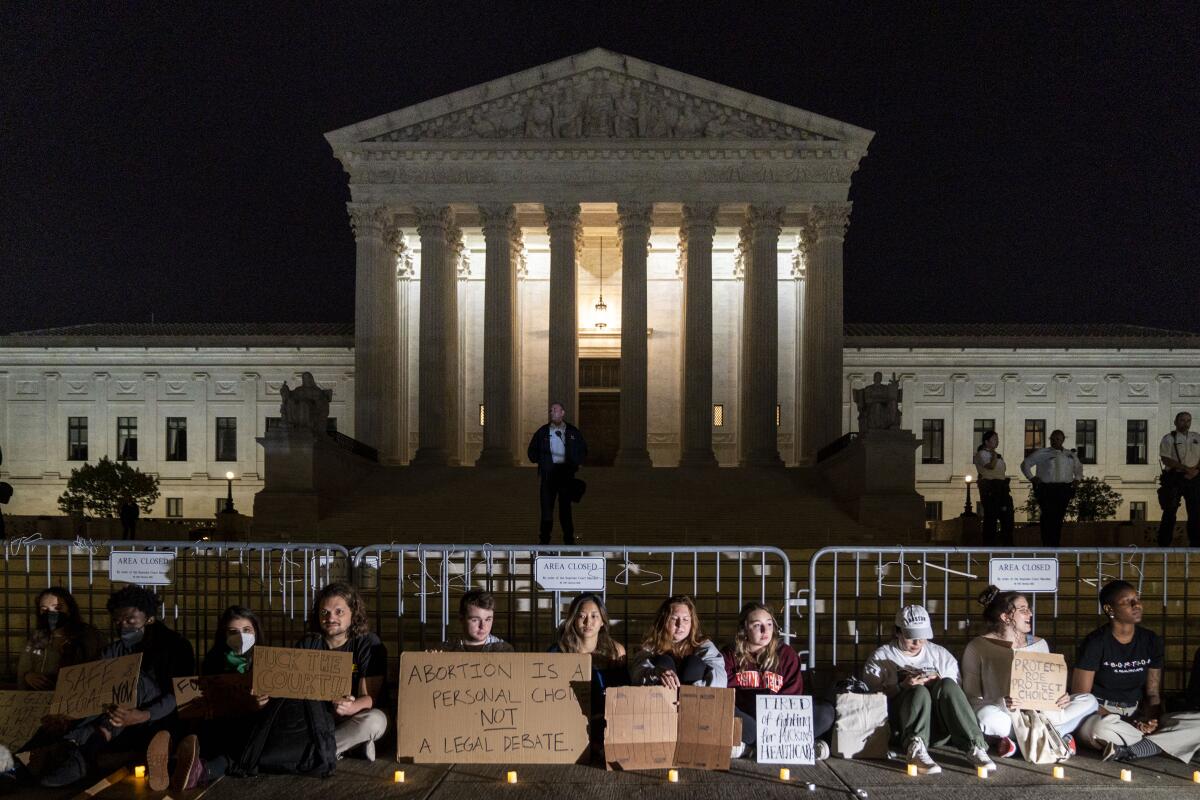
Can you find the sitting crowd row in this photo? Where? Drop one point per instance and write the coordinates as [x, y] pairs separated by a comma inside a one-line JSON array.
[[1114, 703]]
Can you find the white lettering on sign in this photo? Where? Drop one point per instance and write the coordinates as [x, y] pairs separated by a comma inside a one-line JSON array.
[[146, 568], [1024, 574], [570, 573]]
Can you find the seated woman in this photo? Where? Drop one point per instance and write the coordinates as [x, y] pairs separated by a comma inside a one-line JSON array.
[[585, 631], [758, 662], [1121, 663], [60, 639], [676, 651], [986, 665], [926, 705]]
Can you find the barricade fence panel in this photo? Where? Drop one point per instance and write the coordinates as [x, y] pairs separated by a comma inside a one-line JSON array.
[[854, 593], [413, 591], [275, 580]]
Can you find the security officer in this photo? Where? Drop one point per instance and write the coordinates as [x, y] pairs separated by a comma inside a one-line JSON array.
[[1058, 472], [1180, 456]]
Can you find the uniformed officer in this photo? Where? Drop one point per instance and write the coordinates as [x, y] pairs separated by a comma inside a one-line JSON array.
[[1180, 456], [1058, 472]]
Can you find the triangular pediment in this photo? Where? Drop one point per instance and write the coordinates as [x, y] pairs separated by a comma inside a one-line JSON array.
[[600, 95]]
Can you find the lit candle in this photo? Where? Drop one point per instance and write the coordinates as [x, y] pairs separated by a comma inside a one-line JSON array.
[[981, 772], [1126, 775], [1196, 777], [785, 774], [399, 776], [1060, 773], [139, 772], [512, 776], [673, 776], [912, 770]]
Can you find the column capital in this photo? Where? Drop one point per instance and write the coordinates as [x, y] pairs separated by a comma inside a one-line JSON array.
[[433, 220], [765, 219], [497, 219], [700, 219], [829, 220], [633, 220], [561, 216], [369, 220]]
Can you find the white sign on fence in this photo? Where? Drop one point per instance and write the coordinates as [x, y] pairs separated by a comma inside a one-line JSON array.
[[785, 729], [1024, 574], [570, 573], [144, 567]]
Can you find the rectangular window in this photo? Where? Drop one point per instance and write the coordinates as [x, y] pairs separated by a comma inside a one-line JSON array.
[[176, 438], [1035, 435], [933, 511], [1136, 435], [77, 439], [331, 424], [599, 373], [982, 426], [718, 415], [226, 438], [1137, 511], [1085, 440], [220, 504], [933, 434], [127, 438], [273, 423], [174, 506]]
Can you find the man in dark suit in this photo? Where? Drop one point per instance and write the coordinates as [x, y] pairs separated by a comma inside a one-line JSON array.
[[558, 449]]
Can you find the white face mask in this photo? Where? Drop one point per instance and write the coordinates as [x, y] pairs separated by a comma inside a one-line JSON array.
[[240, 643]]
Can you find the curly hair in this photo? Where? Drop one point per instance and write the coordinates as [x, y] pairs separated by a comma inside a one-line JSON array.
[[358, 608], [568, 638], [995, 604], [766, 659], [659, 640], [133, 596]]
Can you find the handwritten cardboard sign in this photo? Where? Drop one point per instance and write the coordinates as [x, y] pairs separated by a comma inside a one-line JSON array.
[[21, 715], [1038, 680], [650, 727], [85, 690], [212, 696], [302, 674], [489, 708], [785, 729]]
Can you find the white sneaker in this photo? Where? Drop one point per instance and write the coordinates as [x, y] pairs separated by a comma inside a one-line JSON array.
[[822, 750], [979, 758], [918, 756], [738, 750]]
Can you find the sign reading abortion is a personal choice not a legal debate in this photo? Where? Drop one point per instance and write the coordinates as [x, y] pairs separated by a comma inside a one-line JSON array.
[[143, 567], [1024, 574], [569, 573]]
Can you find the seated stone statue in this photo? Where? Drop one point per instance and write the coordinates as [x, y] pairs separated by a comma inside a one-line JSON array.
[[305, 408]]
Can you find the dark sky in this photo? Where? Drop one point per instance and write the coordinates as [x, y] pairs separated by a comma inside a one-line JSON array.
[[1037, 162]]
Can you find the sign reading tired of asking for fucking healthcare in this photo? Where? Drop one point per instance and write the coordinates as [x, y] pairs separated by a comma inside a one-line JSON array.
[[1024, 574], [143, 567]]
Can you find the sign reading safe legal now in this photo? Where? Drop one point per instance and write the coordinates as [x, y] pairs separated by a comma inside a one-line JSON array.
[[488, 708], [142, 567], [569, 573], [1024, 574], [94, 687]]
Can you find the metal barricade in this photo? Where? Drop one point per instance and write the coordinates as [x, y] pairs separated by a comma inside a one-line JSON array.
[[276, 580], [413, 590], [854, 593]]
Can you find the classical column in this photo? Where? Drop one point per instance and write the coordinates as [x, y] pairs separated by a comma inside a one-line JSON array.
[[499, 296], [699, 227], [562, 223], [454, 339], [435, 344], [822, 383], [633, 225], [760, 332], [376, 331]]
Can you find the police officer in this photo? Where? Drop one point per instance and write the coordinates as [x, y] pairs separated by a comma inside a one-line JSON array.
[[1058, 472], [1180, 479]]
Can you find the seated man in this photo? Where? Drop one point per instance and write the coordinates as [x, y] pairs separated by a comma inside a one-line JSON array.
[[165, 655], [477, 612]]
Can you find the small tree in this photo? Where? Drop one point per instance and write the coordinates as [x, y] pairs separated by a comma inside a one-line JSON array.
[[1094, 501], [97, 489], [1033, 512]]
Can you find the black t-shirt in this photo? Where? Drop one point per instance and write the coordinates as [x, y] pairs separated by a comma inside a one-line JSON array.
[[369, 653], [1120, 669]]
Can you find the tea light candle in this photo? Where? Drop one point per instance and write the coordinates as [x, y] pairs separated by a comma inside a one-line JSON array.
[[512, 776], [1196, 777], [1059, 773], [399, 776], [912, 770], [1127, 775], [785, 774], [981, 772], [672, 776], [139, 772]]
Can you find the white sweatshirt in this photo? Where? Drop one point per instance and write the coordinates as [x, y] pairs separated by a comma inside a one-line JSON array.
[[882, 670]]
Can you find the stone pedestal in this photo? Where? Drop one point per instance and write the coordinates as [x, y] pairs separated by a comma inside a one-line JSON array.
[[873, 477]]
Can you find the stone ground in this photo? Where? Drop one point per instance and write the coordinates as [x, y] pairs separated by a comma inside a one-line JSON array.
[[358, 780]]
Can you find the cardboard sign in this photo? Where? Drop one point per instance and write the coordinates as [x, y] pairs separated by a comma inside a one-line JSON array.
[[85, 690], [212, 696], [569, 574], [302, 674], [785, 729], [645, 729], [141, 567], [21, 715], [493, 708], [1038, 680], [1024, 574]]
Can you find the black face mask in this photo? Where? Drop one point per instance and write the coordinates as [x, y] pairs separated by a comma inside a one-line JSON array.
[[50, 619], [131, 636]]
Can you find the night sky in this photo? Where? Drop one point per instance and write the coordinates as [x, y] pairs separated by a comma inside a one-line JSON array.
[[1035, 163]]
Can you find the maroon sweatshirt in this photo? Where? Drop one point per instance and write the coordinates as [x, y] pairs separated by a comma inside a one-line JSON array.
[[750, 682]]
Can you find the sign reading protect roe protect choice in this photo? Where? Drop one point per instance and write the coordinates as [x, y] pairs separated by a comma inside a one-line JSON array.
[[1024, 574], [569, 574], [143, 567]]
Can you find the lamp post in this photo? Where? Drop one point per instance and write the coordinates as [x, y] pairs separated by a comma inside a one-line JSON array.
[[968, 511], [229, 496]]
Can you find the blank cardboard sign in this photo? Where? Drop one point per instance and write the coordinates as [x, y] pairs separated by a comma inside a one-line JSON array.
[[645, 729], [85, 690], [493, 708]]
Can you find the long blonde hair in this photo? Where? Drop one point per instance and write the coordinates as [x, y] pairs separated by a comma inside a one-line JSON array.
[[767, 659], [568, 638], [659, 639]]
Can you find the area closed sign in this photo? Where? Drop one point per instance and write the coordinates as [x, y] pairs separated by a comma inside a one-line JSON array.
[[1024, 574], [570, 573], [141, 567]]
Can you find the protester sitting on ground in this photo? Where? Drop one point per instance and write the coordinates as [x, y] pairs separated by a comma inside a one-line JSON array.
[[1121, 663], [476, 613], [60, 639], [987, 666], [759, 662], [926, 705], [676, 652], [203, 757], [165, 655], [585, 630]]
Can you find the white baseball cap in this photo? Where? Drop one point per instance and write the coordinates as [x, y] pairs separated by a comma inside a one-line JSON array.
[[913, 622]]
